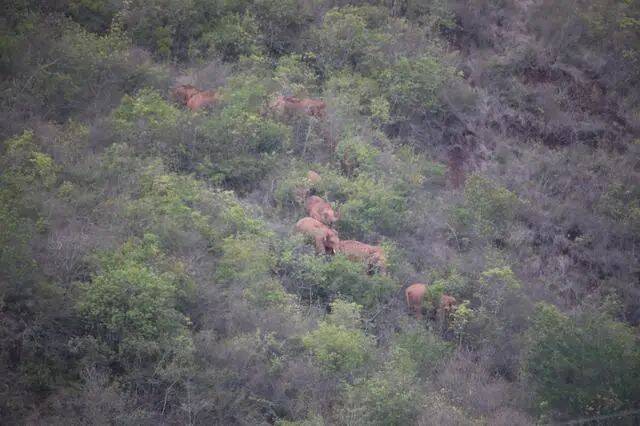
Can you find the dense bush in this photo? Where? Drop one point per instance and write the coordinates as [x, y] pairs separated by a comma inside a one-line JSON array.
[[586, 363]]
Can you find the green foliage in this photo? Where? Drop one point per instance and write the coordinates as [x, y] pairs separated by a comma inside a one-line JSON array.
[[623, 205], [454, 284], [345, 314], [354, 95], [174, 206], [240, 144], [67, 63], [281, 22], [132, 301], [587, 364], [356, 155], [295, 76], [163, 26], [234, 36], [147, 106], [419, 353], [340, 276], [337, 348], [270, 294], [382, 400], [373, 206], [15, 257], [496, 284], [414, 85], [94, 15], [492, 208], [244, 260], [26, 168]]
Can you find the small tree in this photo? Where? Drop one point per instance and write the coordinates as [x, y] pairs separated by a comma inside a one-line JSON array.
[[586, 364]]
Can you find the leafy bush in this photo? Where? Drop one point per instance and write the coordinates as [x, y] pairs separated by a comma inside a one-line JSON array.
[[239, 144], [234, 36], [586, 364], [414, 85], [356, 155], [419, 353], [373, 206], [382, 400], [295, 76], [338, 348], [132, 303], [338, 276], [491, 206]]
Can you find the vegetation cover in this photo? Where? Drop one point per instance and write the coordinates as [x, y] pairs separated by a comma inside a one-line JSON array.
[[156, 156]]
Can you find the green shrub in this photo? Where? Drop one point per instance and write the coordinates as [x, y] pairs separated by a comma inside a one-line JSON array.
[[340, 276], [295, 76], [622, 204], [94, 15], [338, 349], [131, 303], [414, 85], [25, 167], [373, 206], [587, 364], [244, 260], [234, 35], [491, 207], [239, 145], [419, 353], [356, 155], [147, 106]]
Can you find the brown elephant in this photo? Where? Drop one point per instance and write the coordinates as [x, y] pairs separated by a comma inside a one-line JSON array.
[[313, 177], [373, 255], [184, 92], [304, 190], [291, 105], [320, 210], [326, 239], [194, 98], [415, 294], [448, 304], [203, 99]]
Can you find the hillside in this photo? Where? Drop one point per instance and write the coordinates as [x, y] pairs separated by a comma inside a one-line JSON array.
[[160, 159]]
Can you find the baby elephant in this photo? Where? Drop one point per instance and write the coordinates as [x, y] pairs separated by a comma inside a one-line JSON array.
[[448, 304], [320, 210], [373, 256], [415, 294], [326, 239]]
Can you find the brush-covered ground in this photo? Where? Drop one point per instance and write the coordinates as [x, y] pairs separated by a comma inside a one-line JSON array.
[[148, 269]]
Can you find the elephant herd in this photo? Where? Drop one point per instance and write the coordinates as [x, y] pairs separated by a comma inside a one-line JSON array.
[[415, 294], [194, 99], [319, 226], [321, 217]]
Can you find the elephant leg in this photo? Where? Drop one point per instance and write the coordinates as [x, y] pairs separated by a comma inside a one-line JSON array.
[[320, 249]]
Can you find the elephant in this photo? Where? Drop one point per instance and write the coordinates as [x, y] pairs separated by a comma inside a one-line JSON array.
[[373, 255], [326, 239], [203, 99], [194, 98], [184, 92], [304, 190], [415, 294], [306, 106], [313, 177], [448, 304], [320, 210]]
